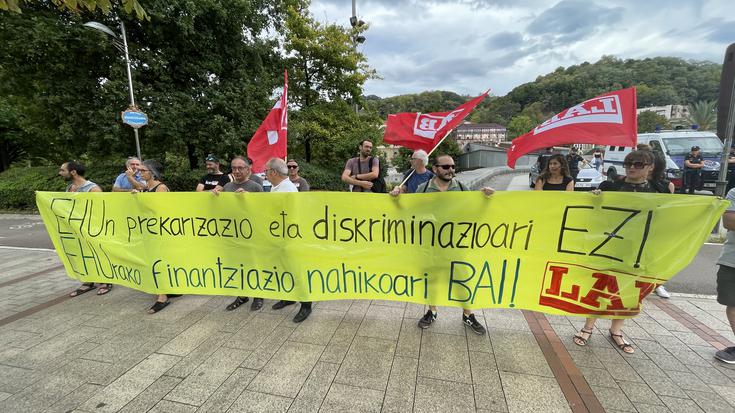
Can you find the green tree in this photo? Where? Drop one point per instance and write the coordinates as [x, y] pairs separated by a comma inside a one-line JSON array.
[[648, 121], [703, 113], [519, 125], [326, 69], [105, 6]]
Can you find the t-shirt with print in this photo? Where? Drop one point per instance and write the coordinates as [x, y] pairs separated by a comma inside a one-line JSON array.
[[210, 181], [363, 168], [728, 249], [248, 186]]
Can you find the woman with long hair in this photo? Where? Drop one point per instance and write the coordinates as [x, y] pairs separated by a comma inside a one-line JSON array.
[[555, 176], [638, 165], [150, 172]]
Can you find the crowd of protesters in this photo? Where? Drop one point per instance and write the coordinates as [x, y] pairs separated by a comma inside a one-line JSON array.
[[644, 172]]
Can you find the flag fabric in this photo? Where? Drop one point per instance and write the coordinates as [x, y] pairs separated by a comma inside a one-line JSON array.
[[608, 119], [269, 140], [426, 130]]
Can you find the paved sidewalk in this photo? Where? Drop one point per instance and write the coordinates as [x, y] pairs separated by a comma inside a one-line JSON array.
[[105, 354]]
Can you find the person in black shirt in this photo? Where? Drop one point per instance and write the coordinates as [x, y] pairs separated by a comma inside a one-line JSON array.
[[573, 160], [693, 164], [213, 177], [638, 165], [544, 158], [555, 177]]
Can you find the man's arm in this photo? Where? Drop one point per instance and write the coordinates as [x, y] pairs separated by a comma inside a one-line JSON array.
[[200, 187], [373, 174], [728, 220], [346, 178], [96, 189]]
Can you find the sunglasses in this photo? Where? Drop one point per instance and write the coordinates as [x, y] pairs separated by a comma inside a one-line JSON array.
[[143, 170], [292, 166], [445, 167], [635, 165]]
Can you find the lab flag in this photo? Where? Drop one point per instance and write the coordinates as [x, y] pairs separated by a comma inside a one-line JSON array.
[[608, 119], [269, 140], [426, 130]]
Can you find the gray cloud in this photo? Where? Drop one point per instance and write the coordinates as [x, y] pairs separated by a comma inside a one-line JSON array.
[[572, 20], [503, 40]]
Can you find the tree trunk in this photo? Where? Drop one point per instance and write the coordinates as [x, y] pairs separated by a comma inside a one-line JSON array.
[[307, 150], [191, 154]]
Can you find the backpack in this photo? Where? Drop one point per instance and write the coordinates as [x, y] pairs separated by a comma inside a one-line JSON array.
[[379, 182]]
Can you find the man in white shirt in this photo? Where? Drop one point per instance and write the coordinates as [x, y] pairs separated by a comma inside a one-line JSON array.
[[277, 174]]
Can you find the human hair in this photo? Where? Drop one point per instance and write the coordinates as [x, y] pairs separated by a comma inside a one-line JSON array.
[[278, 165], [154, 167], [76, 167], [639, 156], [546, 173], [643, 147], [659, 166], [422, 156], [131, 158], [247, 161], [362, 142], [441, 155]]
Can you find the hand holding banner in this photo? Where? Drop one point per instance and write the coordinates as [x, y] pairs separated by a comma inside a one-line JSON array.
[[608, 119]]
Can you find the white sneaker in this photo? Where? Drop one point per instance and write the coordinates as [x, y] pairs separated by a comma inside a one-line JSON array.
[[661, 292]]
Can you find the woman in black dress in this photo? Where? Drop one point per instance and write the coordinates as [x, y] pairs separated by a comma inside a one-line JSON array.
[[556, 176]]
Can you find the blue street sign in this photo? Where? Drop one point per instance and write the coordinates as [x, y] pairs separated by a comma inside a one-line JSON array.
[[134, 118]]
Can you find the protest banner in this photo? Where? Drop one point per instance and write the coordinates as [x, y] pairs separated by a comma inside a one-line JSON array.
[[559, 253]]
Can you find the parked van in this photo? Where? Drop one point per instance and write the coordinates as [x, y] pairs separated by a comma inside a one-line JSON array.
[[676, 145]]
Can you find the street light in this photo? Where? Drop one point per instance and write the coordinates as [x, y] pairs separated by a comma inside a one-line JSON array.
[[358, 38], [123, 47]]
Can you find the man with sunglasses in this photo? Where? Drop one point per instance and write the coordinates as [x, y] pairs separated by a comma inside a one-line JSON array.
[[443, 181], [293, 174]]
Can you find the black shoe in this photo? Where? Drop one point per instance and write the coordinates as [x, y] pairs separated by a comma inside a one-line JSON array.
[[158, 306], [475, 325], [257, 304], [282, 304], [302, 315], [427, 319], [726, 356], [237, 303]]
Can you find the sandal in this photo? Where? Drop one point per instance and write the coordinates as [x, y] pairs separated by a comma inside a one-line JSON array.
[[237, 303], [86, 287], [158, 306], [580, 340], [624, 345], [104, 289]]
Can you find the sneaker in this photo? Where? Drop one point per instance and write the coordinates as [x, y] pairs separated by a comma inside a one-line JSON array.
[[661, 292], [726, 356], [427, 319], [475, 325]]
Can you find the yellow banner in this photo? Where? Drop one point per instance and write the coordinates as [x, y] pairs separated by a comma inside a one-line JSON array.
[[555, 252]]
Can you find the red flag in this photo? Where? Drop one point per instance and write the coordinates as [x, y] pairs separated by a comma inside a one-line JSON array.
[[608, 119], [426, 130], [269, 140]]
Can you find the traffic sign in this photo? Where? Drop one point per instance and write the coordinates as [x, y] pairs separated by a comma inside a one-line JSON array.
[[134, 118]]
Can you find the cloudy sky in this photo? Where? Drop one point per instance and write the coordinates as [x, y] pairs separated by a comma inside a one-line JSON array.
[[467, 46]]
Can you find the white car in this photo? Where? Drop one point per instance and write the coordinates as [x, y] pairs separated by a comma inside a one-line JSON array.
[[588, 179]]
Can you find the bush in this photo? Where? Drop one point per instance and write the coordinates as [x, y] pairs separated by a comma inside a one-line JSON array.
[[321, 178]]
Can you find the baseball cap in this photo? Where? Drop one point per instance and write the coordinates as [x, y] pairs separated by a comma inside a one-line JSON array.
[[695, 148], [211, 158]]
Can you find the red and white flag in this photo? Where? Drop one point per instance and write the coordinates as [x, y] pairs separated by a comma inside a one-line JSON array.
[[426, 130], [608, 119], [269, 140]]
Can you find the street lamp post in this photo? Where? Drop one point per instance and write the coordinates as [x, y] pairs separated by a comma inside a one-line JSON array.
[[122, 46], [357, 38]]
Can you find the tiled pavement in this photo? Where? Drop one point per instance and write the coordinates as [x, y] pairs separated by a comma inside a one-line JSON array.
[[105, 354]]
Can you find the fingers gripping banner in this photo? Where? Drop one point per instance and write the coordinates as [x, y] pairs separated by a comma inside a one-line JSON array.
[[559, 253]]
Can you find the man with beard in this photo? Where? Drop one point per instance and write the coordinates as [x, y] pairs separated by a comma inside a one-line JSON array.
[[213, 177], [443, 181], [362, 170], [73, 173], [130, 179], [241, 183]]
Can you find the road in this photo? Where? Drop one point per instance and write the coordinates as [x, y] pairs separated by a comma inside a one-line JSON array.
[[28, 231]]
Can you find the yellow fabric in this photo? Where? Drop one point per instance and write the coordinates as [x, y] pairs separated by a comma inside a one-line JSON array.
[[555, 252]]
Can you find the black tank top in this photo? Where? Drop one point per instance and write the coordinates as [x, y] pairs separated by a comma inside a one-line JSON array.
[[557, 187]]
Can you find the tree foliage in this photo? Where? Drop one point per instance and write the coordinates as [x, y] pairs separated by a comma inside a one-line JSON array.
[[519, 125], [703, 114], [129, 6], [648, 121]]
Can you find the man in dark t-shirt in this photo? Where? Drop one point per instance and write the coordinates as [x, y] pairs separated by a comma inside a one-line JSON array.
[[360, 171], [693, 164], [544, 158], [573, 160], [213, 176]]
